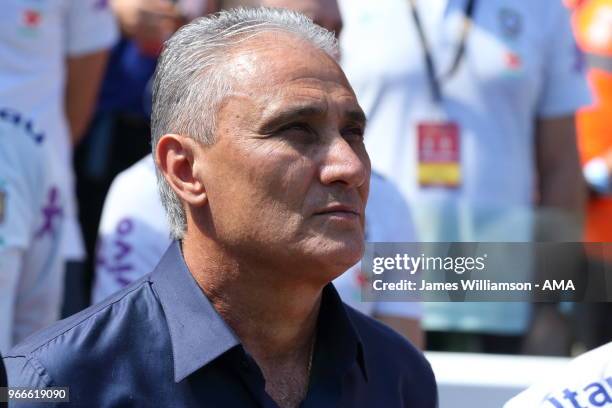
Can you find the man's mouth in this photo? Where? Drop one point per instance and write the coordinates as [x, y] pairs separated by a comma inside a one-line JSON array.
[[340, 210]]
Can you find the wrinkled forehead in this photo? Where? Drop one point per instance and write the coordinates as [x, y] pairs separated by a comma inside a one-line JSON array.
[[278, 65]]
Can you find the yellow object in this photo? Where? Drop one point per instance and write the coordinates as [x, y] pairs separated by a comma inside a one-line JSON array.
[[440, 174]]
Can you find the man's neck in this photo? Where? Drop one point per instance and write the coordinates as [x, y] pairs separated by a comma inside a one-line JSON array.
[[274, 319]]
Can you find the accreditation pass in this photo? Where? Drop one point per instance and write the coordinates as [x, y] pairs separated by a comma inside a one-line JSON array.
[[51, 394]]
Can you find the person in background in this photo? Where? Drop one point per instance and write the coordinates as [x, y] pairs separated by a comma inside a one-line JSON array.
[[265, 185], [122, 111], [470, 110], [593, 30], [31, 222], [133, 233], [53, 58]]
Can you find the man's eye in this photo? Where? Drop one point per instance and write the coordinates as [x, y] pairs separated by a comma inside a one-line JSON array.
[[300, 127], [353, 134], [298, 132]]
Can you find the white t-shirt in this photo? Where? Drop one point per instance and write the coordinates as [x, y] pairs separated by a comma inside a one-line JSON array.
[[134, 235], [586, 382], [36, 37], [520, 64], [31, 212]]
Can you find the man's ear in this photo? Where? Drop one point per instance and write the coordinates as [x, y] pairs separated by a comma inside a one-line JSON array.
[[176, 157]]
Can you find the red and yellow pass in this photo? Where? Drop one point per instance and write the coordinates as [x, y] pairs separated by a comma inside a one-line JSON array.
[[439, 148]]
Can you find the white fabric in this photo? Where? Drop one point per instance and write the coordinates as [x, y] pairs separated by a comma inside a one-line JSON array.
[[585, 382], [31, 268], [494, 102], [134, 234], [36, 37]]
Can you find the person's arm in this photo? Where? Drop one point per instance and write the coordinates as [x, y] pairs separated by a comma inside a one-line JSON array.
[[147, 21], [559, 217], [560, 180], [11, 260], [22, 166], [83, 81], [212, 6], [91, 31], [562, 190], [598, 173]]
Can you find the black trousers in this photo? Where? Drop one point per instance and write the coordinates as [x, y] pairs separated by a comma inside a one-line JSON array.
[[3, 381]]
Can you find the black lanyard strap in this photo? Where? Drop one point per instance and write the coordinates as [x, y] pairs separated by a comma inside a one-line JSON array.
[[432, 77]]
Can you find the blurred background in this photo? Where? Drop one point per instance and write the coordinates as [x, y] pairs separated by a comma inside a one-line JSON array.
[[488, 121]]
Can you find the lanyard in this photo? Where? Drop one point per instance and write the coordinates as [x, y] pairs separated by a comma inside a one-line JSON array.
[[434, 81]]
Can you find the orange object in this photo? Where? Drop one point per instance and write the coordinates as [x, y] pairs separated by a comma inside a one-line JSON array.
[[592, 20]]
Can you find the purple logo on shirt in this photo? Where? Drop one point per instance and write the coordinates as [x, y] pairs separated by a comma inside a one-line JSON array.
[[117, 263], [51, 212], [12, 116]]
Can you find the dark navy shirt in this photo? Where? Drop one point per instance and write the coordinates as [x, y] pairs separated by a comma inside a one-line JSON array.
[[160, 343]]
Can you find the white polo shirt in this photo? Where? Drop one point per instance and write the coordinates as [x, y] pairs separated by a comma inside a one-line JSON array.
[[520, 64], [36, 37], [31, 213], [134, 235], [586, 382]]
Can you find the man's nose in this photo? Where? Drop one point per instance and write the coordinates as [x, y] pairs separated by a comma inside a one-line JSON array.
[[345, 164]]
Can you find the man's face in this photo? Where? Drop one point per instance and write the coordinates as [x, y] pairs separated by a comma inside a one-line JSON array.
[[287, 178]]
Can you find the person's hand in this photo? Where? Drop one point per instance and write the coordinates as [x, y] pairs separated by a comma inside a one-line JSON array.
[[148, 22], [598, 173]]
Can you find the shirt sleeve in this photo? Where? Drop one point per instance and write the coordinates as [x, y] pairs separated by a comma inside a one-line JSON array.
[[11, 261], [27, 372], [90, 27], [565, 85]]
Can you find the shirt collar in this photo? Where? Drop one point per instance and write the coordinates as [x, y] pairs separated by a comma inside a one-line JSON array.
[[339, 345], [199, 334]]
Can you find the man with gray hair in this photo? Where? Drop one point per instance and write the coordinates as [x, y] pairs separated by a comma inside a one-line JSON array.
[[258, 143]]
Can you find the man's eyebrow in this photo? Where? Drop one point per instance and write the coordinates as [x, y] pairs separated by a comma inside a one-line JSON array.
[[356, 116], [304, 111], [291, 113]]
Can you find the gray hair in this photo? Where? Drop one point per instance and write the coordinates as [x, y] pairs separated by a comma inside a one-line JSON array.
[[190, 82]]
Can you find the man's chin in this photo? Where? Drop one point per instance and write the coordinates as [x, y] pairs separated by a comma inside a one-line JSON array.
[[339, 257]]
